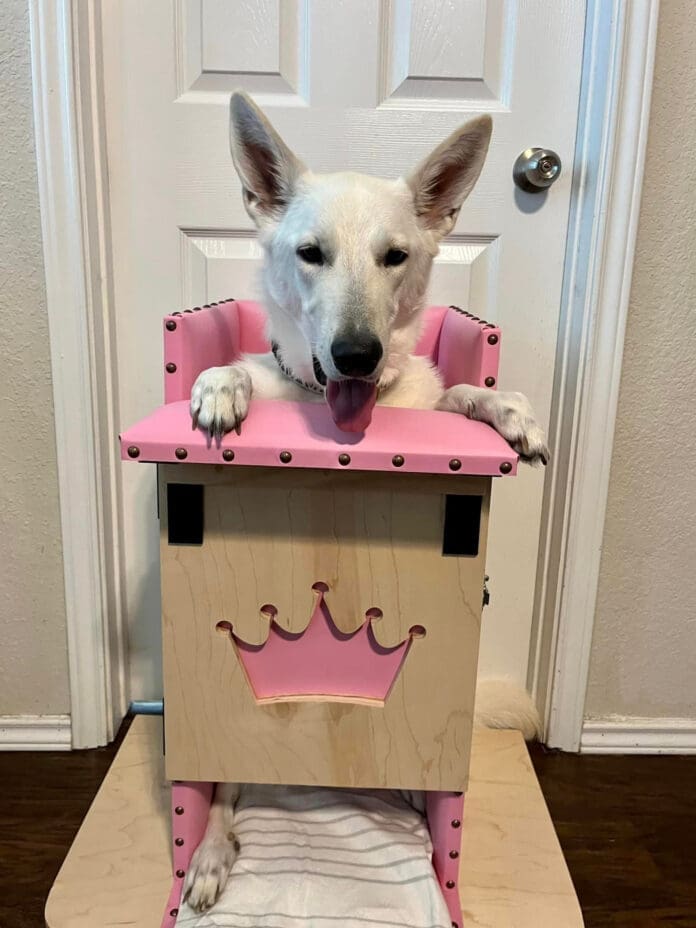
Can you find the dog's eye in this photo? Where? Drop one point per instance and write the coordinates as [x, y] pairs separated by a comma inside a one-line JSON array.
[[394, 256], [311, 254]]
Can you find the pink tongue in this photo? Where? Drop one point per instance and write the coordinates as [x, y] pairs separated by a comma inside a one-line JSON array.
[[351, 403]]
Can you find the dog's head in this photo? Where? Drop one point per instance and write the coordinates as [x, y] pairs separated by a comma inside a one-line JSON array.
[[348, 256]]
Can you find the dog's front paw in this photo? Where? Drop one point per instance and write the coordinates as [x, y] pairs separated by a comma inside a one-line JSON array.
[[208, 872], [511, 415], [220, 399]]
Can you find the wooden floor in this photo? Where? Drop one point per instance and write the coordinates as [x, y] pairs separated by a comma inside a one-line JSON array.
[[627, 826]]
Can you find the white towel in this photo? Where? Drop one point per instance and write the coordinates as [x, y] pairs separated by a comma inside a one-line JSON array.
[[327, 858]]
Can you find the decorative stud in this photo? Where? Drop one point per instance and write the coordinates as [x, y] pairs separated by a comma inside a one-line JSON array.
[[197, 309], [176, 314], [181, 874], [489, 381], [455, 823], [188, 310], [460, 792], [179, 842], [492, 339], [450, 884], [505, 467], [454, 854], [179, 810], [398, 460], [206, 306], [133, 451], [455, 464], [170, 367], [228, 454], [170, 325], [455, 925], [344, 459], [181, 453], [285, 457], [175, 912]]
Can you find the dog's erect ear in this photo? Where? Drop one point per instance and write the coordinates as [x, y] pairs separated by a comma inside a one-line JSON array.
[[267, 168], [442, 182]]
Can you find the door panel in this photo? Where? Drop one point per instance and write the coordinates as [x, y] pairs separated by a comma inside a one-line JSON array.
[[361, 85]]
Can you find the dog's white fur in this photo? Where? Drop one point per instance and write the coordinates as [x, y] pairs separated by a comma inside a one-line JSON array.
[[354, 220]]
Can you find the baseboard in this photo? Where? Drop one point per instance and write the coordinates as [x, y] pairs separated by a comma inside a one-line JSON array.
[[35, 733], [618, 735]]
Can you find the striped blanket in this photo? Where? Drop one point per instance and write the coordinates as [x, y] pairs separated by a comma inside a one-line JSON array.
[[327, 858]]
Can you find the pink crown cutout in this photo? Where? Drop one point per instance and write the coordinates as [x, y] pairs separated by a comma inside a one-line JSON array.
[[321, 662]]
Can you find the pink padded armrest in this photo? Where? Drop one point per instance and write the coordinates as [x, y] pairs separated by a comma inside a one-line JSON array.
[[195, 340], [468, 349], [463, 347], [280, 433], [252, 328]]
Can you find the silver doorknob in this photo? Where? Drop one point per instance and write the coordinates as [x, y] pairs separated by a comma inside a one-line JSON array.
[[536, 169]]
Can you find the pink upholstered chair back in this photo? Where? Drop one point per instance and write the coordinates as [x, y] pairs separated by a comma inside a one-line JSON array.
[[463, 347]]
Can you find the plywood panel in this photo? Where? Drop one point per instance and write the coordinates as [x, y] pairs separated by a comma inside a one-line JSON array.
[[377, 542], [512, 875]]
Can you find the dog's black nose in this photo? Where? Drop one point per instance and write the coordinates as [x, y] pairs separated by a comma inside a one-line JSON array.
[[356, 355]]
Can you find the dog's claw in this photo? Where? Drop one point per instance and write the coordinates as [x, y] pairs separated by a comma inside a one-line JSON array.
[[530, 457], [194, 421]]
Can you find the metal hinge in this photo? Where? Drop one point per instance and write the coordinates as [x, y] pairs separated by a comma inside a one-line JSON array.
[[486, 593]]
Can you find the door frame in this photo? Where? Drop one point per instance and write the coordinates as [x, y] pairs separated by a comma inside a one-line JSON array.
[[74, 197], [614, 110]]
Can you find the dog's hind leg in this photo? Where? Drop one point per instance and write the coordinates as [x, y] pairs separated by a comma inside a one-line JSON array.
[[213, 858], [510, 414]]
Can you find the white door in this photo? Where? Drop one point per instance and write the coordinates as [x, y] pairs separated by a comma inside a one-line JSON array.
[[367, 85]]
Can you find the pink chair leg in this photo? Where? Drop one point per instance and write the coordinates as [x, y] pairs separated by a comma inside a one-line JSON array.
[[190, 806], [445, 816]]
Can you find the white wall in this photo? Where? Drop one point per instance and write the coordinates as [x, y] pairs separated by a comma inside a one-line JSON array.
[[644, 649], [33, 650]]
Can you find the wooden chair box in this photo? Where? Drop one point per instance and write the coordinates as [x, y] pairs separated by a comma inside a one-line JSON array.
[[322, 592]]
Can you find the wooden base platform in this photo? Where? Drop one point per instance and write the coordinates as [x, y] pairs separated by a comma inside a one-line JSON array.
[[513, 875]]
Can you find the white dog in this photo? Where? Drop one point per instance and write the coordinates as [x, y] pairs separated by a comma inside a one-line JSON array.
[[347, 260]]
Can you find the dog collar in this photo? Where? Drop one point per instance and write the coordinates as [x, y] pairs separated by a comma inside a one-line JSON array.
[[318, 372]]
